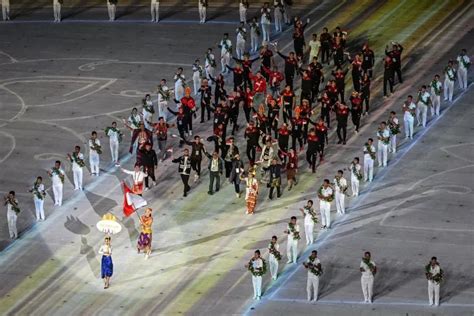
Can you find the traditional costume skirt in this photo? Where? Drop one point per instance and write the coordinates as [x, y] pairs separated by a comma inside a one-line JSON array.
[[137, 188], [251, 200], [290, 174], [144, 241], [107, 267]]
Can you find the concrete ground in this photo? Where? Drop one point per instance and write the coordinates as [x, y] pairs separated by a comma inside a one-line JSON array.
[[60, 82]]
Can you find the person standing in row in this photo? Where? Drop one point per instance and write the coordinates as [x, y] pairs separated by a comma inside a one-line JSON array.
[[107, 266], [278, 14], [449, 78], [255, 33], [57, 10], [164, 95], [274, 256], [383, 137], [265, 21], [257, 267], [243, 7], [356, 176], [12, 213], [434, 275], [340, 186], [226, 52], [422, 104], [184, 170], [112, 8], [369, 158], [77, 161], [310, 219], [95, 150], [6, 10], [179, 84], [409, 110], [57, 177], [39, 194], [313, 265], [394, 127], [463, 65], [314, 47], [240, 41], [436, 88], [155, 11], [326, 196], [197, 75], [368, 270], [202, 7], [115, 138], [293, 232]]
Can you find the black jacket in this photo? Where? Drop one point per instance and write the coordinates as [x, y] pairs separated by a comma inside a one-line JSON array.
[[149, 158], [183, 168]]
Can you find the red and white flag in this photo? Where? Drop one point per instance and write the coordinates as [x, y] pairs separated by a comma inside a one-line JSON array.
[[131, 202]]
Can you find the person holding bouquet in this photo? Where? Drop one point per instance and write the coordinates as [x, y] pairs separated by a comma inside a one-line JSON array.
[[434, 275], [313, 265], [95, 150], [368, 270], [258, 267], [293, 232], [326, 196], [274, 256]]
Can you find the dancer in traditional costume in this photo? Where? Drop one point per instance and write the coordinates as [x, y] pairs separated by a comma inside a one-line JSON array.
[[251, 193], [144, 240], [107, 267]]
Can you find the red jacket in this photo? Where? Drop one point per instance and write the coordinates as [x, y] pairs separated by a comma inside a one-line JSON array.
[[188, 102]]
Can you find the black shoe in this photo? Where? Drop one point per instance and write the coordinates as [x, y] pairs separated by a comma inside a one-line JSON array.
[[202, 121], [217, 190], [210, 192], [270, 197], [339, 142], [185, 194], [278, 196], [344, 142]]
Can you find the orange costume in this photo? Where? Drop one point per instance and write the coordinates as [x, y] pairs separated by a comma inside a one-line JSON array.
[[251, 193]]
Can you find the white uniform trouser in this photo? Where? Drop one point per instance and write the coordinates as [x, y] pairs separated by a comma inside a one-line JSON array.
[[163, 112], [202, 13], [448, 89], [57, 11], [340, 207], [408, 123], [77, 175], [178, 91], [114, 151], [422, 111], [240, 49], [243, 13], [393, 143], [292, 249], [6, 9], [225, 60], [436, 104], [94, 161], [278, 20], [265, 33], [355, 185], [312, 286], [111, 9], [39, 208], [367, 283], [155, 10], [253, 42], [273, 266], [462, 77], [58, 194], [196, 82], [308, 231], [210, 71], [382, 150], [325, 210], [368, 169], [257, 286], [433, 287], [11, 217]]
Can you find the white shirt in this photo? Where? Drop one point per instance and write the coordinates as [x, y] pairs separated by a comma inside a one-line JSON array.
[[210, 59], [357, 168], [265, 16], [292, 235], [92, 151], [314, 46], [225, 50], [178, 82], [257, 263], [385, 134], [133, 124], [367, 273], [55, 178], [326, 192], [366, 153], [438, 85], [10, 207], [105, 249], [137, 176], [315, 262], [342, 183], [460, 61], [434, 270], [276, 246], [308, 219], [113, 136], [424, 97], [449, 72], [241, 34], [407, 115], [215, 165], [75, 166], [40, 189]]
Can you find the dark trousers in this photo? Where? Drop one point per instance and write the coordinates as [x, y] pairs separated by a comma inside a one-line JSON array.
[[251, 152], [287, 113], [295, 138], [341, 128], [311, 157], [162, 148], [356, 82], [289, 79], [387, 80], [398, 71], [228, 168], [325, 53], [236, 185], [205, 106], [326, 116], [150, 171], [272, 188], [196, 165], [321, 147], [185, 179], [247, 113], [214, 176], [365, 99], [356, 120]]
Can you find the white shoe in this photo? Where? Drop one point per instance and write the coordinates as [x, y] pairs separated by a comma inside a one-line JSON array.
[[146, 189], [289, 261]]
